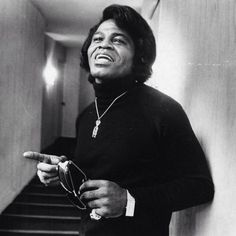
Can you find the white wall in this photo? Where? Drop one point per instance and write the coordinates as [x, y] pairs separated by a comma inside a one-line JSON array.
[[196, 64], [71, 91], [22, 54]]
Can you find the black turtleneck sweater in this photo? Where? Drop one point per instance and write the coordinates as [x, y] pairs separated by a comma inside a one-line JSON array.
[[145, 144]]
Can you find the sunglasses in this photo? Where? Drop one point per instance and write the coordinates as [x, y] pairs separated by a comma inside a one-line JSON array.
[[71, 178]]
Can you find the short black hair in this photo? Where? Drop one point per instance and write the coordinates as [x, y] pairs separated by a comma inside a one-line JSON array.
[[127, 19]]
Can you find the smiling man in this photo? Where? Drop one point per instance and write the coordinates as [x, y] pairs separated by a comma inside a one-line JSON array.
[[110, 53], [134, 143]]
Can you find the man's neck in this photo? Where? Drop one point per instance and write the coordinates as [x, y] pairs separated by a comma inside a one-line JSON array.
[[112, 88]]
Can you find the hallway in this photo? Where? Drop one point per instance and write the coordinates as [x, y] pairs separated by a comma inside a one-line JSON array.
[[43, 90]]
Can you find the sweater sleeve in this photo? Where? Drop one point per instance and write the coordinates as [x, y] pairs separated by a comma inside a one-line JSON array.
[[187, 180]]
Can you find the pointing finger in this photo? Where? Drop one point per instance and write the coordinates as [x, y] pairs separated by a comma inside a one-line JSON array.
[[51, 159], [37, 156]]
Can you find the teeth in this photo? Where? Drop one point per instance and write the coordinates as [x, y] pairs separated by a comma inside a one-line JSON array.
[[103, 56]]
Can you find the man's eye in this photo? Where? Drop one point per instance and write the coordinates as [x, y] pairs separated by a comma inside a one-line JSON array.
[[97, 39], [118, 40]]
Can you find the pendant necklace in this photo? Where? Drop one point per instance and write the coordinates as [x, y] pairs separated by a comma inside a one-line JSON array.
[[99, 117]]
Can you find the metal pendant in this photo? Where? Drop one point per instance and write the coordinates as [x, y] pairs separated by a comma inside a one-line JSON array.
[[95, 129]]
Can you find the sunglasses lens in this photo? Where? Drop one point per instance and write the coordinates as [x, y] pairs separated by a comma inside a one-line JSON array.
[[77, 176], [76, 201], [64, 178]]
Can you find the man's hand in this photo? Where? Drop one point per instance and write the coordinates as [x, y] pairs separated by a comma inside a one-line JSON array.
[[106, 197], [47, 166]]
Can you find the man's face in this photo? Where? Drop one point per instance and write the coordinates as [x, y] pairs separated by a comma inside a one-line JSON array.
[[111, 52]]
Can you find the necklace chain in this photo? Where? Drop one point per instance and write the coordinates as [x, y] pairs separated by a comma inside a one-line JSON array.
[[99, 117], [96, 105]]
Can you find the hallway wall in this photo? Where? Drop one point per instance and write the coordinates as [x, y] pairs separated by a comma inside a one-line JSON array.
[[53, 93], [22, 56], [196, 64], [71, 91], [77, 91]]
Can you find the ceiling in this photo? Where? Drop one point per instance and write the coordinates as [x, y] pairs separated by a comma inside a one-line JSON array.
[[68, 21]]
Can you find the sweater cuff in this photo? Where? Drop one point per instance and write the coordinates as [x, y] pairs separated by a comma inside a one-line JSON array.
[[130, 205]]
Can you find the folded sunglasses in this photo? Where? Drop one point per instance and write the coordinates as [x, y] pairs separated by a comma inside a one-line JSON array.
[[71, 178]]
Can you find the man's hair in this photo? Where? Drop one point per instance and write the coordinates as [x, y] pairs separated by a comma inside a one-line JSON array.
[[131, 22]]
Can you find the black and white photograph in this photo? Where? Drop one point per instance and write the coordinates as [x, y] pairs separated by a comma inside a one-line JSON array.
[[117, 117]]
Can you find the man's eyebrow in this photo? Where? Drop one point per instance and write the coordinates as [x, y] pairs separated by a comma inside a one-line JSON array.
[[97, 33], [120, 34], [124, 35], [113, 34]]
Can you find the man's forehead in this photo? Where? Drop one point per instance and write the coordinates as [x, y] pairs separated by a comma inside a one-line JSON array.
[[109, 26]]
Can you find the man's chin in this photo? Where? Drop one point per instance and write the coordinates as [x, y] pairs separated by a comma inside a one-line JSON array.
[[104, 78], [107, 77]]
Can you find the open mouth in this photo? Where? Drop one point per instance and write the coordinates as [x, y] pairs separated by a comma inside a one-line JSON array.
[[104, 57]]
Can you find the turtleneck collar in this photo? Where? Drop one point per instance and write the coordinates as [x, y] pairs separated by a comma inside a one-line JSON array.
[[113, 88]]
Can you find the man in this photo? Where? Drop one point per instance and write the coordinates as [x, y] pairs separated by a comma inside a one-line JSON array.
[[134, 143]]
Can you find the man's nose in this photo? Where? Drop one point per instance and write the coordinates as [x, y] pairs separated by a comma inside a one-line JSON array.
[[106, 44]]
